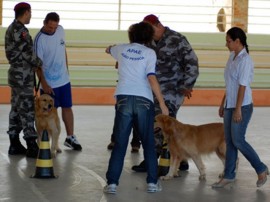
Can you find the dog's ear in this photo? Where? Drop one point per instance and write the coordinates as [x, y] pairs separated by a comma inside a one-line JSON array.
[[168, 125], [164, 122], [37, 103], [52, 102], [167, 121]]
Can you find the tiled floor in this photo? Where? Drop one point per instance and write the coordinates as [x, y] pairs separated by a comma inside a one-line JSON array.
[[81, 175]]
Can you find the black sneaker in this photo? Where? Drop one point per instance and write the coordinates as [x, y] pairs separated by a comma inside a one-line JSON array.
[[73, 143]]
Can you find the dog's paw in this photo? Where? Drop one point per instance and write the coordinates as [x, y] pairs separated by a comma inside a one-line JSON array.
[[58, 150], [221, 175], [176, 175], [53, 154], [202, 177], [166, 177]]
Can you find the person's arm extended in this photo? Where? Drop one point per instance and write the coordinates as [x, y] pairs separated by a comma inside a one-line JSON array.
[[46, 88], [156, 89]]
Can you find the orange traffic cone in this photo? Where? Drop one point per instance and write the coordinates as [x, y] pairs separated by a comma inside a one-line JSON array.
[[164, 160], [44, 163]]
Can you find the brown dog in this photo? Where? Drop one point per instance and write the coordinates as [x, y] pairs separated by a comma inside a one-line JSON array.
[[189, 141], [46, 118]]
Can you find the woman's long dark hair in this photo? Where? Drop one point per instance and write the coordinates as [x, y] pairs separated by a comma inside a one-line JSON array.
[[238, 33]]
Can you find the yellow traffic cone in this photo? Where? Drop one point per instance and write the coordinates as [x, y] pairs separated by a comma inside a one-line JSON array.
[[164, 160], [44, 163]]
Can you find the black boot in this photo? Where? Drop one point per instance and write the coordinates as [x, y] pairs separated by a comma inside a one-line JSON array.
[[16, 147], [110, 146], [140, 168], [184, 165], [32, 148], [135, 142]]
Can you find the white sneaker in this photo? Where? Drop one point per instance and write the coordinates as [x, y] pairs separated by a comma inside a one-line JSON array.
[[152, 187], [73, 143], [110, 189]]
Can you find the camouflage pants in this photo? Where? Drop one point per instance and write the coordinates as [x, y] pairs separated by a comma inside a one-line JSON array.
[[173, 101], [22, 114]]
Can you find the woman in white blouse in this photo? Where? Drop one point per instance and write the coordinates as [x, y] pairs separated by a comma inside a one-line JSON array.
[[236, 108]]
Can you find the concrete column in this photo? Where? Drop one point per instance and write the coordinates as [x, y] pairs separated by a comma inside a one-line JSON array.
[[1, 12], [240, 14]]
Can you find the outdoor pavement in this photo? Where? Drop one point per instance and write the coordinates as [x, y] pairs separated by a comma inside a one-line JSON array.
[[81, 175]]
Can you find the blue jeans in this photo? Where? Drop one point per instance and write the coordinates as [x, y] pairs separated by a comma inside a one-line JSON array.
[[235, 140], [137, 111]]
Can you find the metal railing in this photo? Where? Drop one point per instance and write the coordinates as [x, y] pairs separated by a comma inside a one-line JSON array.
[[184, 16], [92, 67]]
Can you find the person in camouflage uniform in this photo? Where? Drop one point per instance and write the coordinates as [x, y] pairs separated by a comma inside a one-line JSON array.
[[177, 70], [23, 64]]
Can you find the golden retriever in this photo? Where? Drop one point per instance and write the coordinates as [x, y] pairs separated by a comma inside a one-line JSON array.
[[189, 141], [46, 118]]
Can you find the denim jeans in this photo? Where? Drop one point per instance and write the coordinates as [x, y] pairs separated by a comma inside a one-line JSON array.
[[135, 142], [138, 112], [235, 140]]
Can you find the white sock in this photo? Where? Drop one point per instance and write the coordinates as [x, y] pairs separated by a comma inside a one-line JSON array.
[[70, 136]]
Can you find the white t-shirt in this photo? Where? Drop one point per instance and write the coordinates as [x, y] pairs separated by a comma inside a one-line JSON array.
[[51, 49], [135, 63], [238, 71]]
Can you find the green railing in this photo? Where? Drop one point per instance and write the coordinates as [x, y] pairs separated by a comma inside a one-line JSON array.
[[89, 65]]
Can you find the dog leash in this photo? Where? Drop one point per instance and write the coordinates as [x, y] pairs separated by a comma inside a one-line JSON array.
[[36, 85]]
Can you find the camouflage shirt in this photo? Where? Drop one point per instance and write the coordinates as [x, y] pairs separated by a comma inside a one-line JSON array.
[[19, 52], [177, 64]]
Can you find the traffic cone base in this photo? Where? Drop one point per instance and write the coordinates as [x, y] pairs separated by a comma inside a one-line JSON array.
[[164, 161], [44, 173], [44, 163]]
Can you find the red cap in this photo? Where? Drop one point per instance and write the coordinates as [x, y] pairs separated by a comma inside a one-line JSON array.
[[22, 5], [152, 19]]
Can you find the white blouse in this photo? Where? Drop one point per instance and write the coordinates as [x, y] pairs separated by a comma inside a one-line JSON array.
[[238, 71]]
